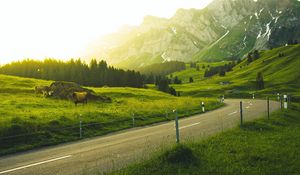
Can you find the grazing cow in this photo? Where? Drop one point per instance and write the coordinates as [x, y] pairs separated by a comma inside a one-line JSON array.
[[42, 89], [80, 97]]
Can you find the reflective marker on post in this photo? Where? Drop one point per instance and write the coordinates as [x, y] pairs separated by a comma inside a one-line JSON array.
[[203, 107], [285, 102]]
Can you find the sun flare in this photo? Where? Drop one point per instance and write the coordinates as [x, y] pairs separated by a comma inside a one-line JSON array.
[[63, 29]]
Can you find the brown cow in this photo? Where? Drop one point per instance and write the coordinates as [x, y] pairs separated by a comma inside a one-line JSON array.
[[80, 97]]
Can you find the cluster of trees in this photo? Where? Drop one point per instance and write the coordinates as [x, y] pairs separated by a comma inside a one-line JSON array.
[[162, 84], [221, 70], [252, 56], [162, 68], [195, 65], [95, 74], [292, 42]]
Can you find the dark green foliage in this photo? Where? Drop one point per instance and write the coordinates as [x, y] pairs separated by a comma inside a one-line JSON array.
[[249, 57], [191, 80], [193, 65], [260, 81], [198, 68], [180, 155], [221, 70], [162, 68], [256, 55], [162, 84], [96, 74], [292, 42], [177, 81], [172, 91], [281, 54], [222, 73]]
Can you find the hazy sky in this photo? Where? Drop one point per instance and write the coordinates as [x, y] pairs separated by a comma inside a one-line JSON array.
[[63, 28]]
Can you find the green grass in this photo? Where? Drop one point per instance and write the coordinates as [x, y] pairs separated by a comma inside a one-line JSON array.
[[260, 147], [281, 74], [185, 75], [39, 121]]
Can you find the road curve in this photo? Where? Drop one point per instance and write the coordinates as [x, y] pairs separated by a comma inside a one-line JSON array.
[[111, 152]]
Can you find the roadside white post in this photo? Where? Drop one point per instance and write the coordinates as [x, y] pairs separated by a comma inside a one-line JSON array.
[[241, 112], [278, 96], [223, 98], [268, 107], [285, 101], [176, 127], [253, 96], [203, 107], [80, 129], [133, 120]]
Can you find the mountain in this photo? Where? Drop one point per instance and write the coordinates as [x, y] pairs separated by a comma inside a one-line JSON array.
[[225, 29], [279, 66]]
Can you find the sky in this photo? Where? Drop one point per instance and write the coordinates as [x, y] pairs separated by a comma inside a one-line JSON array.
[[63, 29]]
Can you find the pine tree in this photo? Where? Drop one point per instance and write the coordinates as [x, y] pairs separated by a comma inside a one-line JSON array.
[[249, 57], [256, 54], [260, 81]]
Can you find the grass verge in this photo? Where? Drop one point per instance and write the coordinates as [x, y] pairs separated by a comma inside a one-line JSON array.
[[260, 147]]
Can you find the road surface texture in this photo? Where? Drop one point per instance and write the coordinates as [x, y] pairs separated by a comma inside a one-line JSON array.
[[114, 151]]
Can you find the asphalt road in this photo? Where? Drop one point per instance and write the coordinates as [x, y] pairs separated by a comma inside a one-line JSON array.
[[111, 152]]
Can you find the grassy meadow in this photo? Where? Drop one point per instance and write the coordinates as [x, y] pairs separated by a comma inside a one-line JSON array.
[[28, 120], [281, 74], [260, 147]]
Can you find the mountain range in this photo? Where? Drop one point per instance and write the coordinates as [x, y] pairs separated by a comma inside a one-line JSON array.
[[224, 30]]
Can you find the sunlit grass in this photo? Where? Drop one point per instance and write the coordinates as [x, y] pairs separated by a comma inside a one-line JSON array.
[[23, 112]]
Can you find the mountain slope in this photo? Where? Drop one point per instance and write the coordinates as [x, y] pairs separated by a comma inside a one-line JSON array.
[[226, 29], [281, 74]]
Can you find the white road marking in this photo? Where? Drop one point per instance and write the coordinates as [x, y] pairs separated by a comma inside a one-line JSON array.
[[190, 125], [35, 164], [233, 113]]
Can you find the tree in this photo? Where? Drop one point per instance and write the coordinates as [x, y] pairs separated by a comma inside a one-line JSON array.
[[222, 73], [260, 81], [172, 91], [176, 80], [191, 80], [249, 57], [256, 55]]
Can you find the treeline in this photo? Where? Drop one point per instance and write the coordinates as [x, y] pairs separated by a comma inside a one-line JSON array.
[[95, 74], [162, 68], [221, 70]]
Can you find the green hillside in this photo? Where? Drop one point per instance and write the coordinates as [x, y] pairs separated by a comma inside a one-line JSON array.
[[28, 120], [184, 75], [281, 74]]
